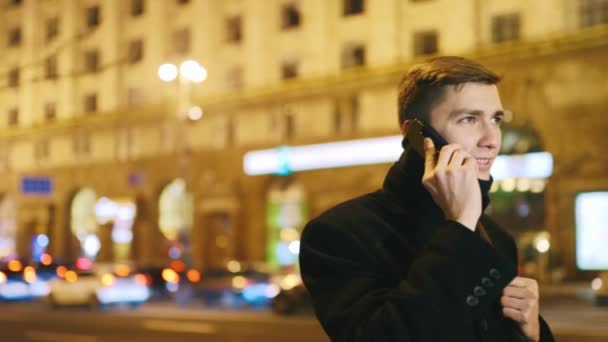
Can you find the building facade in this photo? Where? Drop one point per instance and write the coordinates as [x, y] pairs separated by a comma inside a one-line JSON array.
[[83, 106]]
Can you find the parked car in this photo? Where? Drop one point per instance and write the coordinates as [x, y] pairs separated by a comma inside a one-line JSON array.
[[292, 298], [19, 283], [235, 285], [98, 287], [172, 281], [600, 289]]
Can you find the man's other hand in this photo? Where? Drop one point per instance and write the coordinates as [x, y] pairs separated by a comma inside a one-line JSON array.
[[520, 303]]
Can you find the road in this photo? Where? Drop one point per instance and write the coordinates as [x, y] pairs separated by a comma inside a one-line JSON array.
[[571, 322], [36, 322]]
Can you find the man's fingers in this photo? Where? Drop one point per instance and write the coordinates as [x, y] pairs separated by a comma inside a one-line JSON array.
[[429, 155], [518, 292], [445, 154], [457, 159], [524, 282], [513, 303], [513, 314]]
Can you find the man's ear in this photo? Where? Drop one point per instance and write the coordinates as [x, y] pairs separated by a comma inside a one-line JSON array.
[[404, 126]]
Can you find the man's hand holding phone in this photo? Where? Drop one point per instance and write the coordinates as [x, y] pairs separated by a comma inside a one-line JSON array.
[[451, 179]]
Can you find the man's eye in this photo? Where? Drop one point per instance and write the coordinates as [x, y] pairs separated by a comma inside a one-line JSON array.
[[498, 120], [468, 119]]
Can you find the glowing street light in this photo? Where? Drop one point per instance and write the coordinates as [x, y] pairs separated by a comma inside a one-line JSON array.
[[192, 71], [542, 243], [167, 72]]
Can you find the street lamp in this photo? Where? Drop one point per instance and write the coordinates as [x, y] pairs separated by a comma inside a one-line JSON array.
[[187, 73]]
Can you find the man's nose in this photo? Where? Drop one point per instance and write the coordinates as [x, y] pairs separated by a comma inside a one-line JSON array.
[[489, 137]]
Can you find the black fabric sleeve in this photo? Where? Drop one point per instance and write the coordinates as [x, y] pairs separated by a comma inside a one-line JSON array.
[[545, 332], [457, 272]]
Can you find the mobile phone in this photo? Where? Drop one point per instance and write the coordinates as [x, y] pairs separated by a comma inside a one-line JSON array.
[[416, 133]]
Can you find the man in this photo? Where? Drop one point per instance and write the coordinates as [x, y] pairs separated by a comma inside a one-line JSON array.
[[418, 260]]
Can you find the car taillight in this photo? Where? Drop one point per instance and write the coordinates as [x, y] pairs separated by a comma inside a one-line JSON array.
[[107, 279], [15, 265], [193, 276], [122, 270], [71, 276], [61, 270], [170, 276], [29, 274], [239, 282], [141, 279], [46, 259], [148, 279]]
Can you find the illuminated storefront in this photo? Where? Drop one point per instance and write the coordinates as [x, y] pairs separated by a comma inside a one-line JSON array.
[[83, 222], [8, 228], [176, 215], [286, 215], [94, 218]]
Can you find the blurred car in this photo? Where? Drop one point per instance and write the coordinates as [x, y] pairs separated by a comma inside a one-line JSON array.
[[600, 289], [236, 285], [19, 283], [292, 298], [98, 287], [170, 281]]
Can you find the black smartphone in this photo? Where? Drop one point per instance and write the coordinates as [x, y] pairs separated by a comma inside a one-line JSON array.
[[416, 133]]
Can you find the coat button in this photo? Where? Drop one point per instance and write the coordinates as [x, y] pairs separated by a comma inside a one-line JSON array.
[[479, 291], [494, 273], [484, 325], [487, 282], [472, 301]]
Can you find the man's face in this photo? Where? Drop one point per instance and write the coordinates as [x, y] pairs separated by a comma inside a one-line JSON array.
[[471, 116]]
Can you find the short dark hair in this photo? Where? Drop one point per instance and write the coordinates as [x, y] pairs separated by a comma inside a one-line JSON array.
[[424, 84]]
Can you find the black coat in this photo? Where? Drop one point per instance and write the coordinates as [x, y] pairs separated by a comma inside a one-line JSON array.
[[387, 266]]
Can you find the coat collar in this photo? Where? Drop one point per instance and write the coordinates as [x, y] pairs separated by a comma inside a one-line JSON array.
[[403, 184]]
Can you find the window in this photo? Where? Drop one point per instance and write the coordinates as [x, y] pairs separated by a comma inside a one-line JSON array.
[[346, 114], [234, 78], [505, 27], [134, 97], [90, 103], [290, 16], [52, 28], [137, 7], [230, 134], [290, 126], [353, 56], [234, 29], [91, 61], [41, 150], [136, 51], [13, 78], [181, 41], [13, 117], [425, 43], [593, 12], [289, 70], [50, 66], [81, 144], [353, 7], [93, 17], [14, 37], [50, 111]]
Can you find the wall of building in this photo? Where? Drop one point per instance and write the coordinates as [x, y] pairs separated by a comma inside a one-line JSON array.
[[554, 82]]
